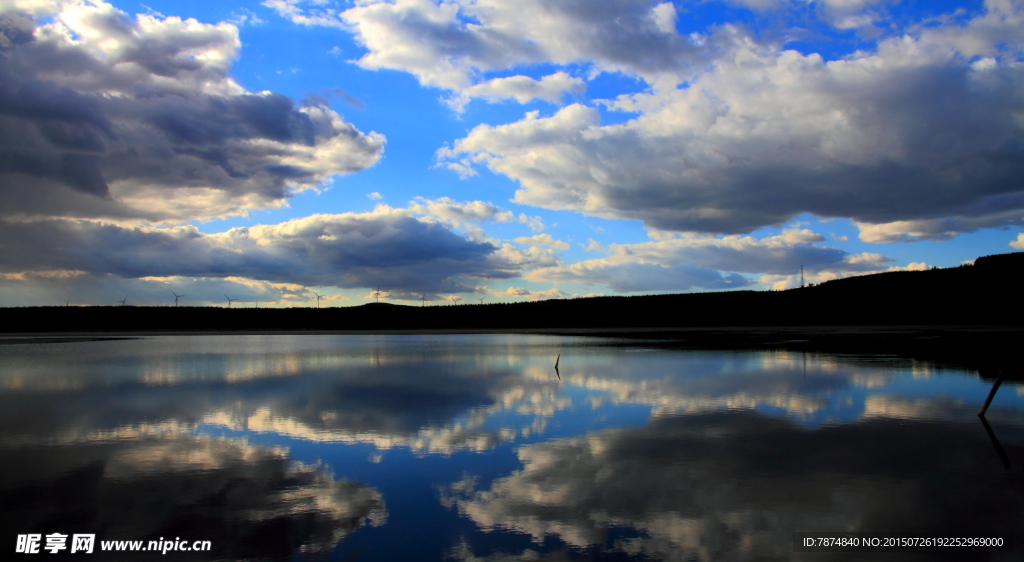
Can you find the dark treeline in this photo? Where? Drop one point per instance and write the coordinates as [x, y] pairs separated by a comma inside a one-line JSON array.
[[983, 294]]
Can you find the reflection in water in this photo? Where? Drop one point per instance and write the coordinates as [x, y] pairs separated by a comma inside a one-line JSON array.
[[272, 446], [730, 485], [250, 502]]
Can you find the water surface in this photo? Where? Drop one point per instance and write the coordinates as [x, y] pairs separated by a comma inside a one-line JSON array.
[[475, 448]]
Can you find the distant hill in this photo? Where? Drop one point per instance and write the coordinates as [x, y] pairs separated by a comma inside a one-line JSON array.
[[984, 293]]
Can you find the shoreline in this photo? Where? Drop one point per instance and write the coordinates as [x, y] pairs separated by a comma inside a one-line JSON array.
[[990, 350], [661, 333]]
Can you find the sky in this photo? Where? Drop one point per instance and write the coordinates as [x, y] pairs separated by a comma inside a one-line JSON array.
[[438, 151]]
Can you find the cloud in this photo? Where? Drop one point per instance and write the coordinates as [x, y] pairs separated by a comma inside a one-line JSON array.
[[523, 89], [994, 212], [287, 505], [553, 293], [448, 44], [1018, 244], [388, 248], [107, 116], [765, 134], [457, 214], [242, 17], [682, 263], [57, 287], [708, 486], [541, 240], [536, 224]]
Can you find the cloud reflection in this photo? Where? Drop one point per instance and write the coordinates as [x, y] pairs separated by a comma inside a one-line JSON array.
[[143, 483], [735, 485]]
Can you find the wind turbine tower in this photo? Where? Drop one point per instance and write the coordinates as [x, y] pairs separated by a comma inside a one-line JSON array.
[[424, 299], [176, 297], [318, 297], [123, 301], [801, 276], [230, 300]]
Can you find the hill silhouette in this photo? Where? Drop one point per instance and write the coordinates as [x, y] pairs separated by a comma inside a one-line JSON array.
[[981, 294]]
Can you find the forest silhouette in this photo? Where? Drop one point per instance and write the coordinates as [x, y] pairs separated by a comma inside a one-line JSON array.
[[980, 294], [968, 316]]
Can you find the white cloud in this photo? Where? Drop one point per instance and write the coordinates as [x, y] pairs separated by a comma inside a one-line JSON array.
[[521, 88], [1018, 244], [542, 240], [764, 135], [447, 44], [553, 293], [375, 196], [536, 224], [457, 214], [683, 263], [509, 262], [242, 17], [107, 116]]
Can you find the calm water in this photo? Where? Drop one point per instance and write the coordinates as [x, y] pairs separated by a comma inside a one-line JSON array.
[[474, 448]]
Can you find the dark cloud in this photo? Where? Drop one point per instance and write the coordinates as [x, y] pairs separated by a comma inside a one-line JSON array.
[[150, 126], [386, 248], [923, 127]]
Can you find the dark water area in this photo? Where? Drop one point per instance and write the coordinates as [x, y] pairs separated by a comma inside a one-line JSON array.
[[473, 447]]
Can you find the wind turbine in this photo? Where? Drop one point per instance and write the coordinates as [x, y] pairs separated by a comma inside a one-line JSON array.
[[318, 297], [481, 299], [123, 301], [176, 297], [230, 300], [424, 299], [455, 299], [377, 294]]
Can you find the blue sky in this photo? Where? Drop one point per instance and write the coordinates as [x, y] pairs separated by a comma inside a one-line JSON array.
[[506, 150]]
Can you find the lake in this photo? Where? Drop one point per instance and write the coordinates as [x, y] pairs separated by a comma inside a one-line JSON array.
[[473, 447]]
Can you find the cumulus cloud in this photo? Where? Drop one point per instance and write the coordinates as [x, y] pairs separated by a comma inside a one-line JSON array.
[[1018, 244], [385, 248], [521, 88], [457, 214], [448, 44], [103, 115], [685, 262], [541, 240], [912, 130]]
